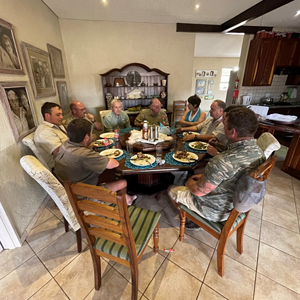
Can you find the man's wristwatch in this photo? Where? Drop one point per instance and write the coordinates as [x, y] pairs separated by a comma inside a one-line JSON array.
[[196, 136]]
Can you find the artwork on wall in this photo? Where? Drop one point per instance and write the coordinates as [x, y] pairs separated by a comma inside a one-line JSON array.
[[57, 64], [210, 81], [18, 107], [38, 66], [200, 87], [63, 96], [206, 73], [209, 92], [10, 62], [209, 97]]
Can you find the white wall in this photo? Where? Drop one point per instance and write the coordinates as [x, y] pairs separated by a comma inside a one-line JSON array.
[[212, 63], [95, 47], [21, 196]]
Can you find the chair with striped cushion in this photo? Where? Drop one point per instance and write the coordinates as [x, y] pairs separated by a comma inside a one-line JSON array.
[[116, 232], [236, 221]]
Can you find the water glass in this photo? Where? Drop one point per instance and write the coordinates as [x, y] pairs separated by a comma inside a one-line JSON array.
[[129, 148], [159, 150], [173, 144]]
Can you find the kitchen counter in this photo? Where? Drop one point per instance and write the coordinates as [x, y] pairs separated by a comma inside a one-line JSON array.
[[294, 105]]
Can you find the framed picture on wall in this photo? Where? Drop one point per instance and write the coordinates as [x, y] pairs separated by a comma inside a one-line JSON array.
[[200, 86], [57, 64], [18, 107], [38, 66], [63, 96], [10, 62]]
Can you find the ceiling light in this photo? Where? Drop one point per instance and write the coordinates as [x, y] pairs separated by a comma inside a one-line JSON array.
[[197, 6], [104, 0], [298, 13]]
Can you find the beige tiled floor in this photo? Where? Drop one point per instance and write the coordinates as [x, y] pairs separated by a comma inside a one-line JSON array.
[[49, 267]]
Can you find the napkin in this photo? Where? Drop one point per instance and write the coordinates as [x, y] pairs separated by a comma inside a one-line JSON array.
[[283, 118]]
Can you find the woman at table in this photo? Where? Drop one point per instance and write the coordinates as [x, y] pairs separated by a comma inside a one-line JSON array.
[[193, 115]]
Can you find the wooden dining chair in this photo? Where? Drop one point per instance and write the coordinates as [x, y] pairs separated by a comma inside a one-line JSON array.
[[235, 222], [118, 232], [179, 107]]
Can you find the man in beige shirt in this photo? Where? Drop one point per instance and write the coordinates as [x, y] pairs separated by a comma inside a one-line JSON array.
[[50, 134], [212, 128], [154, 115]]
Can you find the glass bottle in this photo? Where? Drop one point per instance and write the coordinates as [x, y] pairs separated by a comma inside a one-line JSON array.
[[145, 130]]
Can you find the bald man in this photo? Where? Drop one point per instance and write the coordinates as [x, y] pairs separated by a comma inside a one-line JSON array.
[[154, 115], [78, 111]]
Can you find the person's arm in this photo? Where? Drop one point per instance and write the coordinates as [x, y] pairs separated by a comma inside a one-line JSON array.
[[182, 129], [112, 163], [199, 186], [97, 125], [201, 119], [138, 122], [127, 122], [55, 151], [204, 137], [212, 151], [107, 125]]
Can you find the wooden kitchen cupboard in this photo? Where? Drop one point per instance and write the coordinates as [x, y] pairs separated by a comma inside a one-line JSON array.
[[294, 62]]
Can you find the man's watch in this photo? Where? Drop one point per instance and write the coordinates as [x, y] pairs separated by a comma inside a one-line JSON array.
[[196, 136]]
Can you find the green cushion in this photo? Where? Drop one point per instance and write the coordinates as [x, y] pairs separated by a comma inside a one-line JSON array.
[[216, 226], [142, 222]]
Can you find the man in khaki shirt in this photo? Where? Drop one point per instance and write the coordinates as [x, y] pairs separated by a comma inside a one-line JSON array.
[[154, 115], [50, 134]]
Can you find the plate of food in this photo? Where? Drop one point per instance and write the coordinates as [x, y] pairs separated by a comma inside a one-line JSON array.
[[185, 156], [198, 145], [141, 159], [112, 153], [100, 143], [108, 135]]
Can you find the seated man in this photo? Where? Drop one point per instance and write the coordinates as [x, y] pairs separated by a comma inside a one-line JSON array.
[[154, 115], [116, 118], [50, 134], [210, 194], [76, 162], [78, 111], [210, 128]]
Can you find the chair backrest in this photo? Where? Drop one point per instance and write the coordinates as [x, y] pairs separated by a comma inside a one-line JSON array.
[[268, 144], [52, 186], [179, 107], [104, 221], [264, 169], [102, 114], [29, 142]]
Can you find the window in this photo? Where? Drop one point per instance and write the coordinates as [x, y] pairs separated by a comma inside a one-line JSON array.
[[225, 78]]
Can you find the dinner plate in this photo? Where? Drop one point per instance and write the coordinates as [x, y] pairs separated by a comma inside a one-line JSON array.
[[142, 162], [101, 140], [193, 157], [108, 135], [193, 145], [110, 153]]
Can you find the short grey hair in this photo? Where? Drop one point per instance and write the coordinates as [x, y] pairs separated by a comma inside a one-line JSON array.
[[221, 104], [151, 102], [116, 101]]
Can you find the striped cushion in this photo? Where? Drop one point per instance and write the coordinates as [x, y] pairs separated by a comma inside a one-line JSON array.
[[142, 222], [216, 226]]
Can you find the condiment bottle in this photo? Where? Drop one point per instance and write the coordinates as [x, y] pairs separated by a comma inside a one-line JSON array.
[[164, 121], [145, 130], [106, 142], [116, 136]]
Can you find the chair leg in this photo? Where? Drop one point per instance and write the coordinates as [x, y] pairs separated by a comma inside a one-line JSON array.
[[97, 270], [182, 225], [221, 255], [66, 225], [79, 242], [240, 239], [135, 280], [156, 238]]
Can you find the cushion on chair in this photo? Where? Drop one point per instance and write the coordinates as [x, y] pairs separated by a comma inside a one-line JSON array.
[[142, 222], [216, 226]]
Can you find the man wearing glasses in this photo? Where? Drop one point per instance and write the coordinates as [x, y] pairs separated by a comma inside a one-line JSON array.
[[154, 115]]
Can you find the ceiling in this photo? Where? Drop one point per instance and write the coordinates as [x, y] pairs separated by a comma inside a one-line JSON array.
[[173, 11]]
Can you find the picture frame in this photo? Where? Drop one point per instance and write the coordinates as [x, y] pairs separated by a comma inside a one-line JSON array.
[[210, 81], [10, 60], [62, 92], [18, 107], [38, 66], [56, 60], [209, 97], [206, 73], [200, 87]]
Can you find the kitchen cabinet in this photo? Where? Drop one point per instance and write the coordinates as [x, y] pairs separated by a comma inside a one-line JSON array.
[[295, 62], [288, 55], [261, 61]]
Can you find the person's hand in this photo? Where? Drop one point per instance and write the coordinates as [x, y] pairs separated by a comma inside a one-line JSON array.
[[91, 117], [91, 145], [212, 151], [214, 142], [178, 130], [189, 137]]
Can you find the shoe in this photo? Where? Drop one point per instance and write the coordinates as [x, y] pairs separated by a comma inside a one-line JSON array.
[[192, 226]]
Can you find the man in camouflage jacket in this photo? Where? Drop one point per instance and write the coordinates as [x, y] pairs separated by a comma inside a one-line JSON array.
[[210, 194]]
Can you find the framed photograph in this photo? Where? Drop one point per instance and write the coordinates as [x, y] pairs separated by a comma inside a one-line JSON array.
[[57, 64], [38, 66], [63, 96], [18, 107], [210, 81], [10, 62], [206, 73], [209, 97], [210, 87], [200, 86]]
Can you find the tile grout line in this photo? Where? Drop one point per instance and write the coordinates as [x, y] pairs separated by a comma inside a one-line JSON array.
[[298, 217]]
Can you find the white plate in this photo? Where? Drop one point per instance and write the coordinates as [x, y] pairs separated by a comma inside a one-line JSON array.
[[143, 162], [192, 145], [192, 155], [110, 153], [108, 135], [101, 140]]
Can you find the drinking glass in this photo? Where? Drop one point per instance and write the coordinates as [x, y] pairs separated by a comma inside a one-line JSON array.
[[129, 147], [173, 144], [159, 150]]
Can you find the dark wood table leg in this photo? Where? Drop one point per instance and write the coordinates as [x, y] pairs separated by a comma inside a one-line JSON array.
[[292, 160]]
